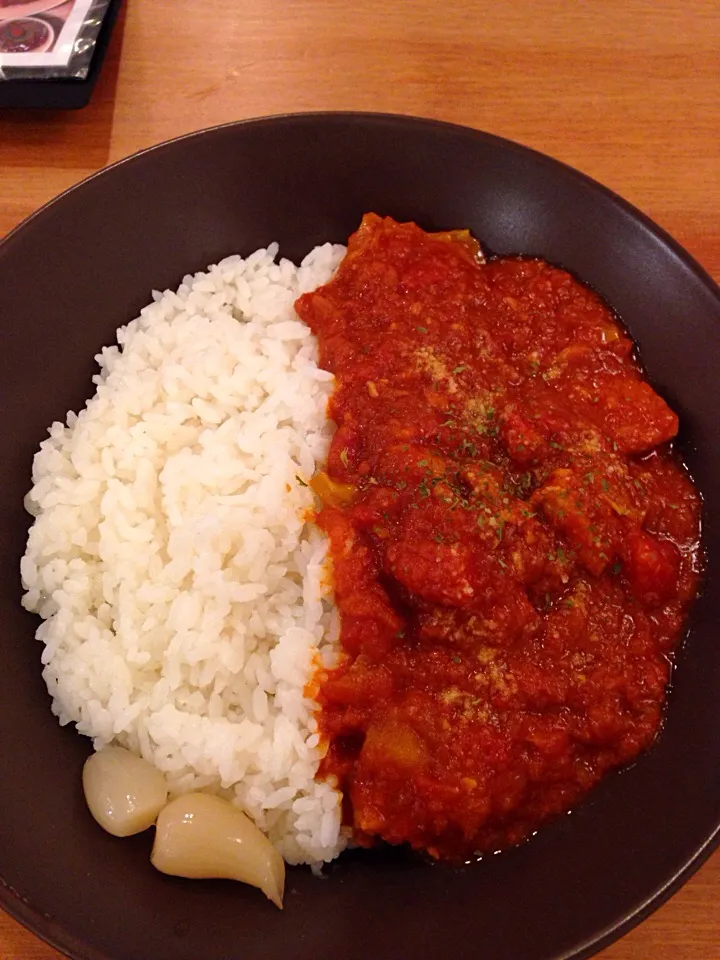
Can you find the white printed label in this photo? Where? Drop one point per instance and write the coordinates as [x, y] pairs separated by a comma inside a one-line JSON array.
[[40, 33]]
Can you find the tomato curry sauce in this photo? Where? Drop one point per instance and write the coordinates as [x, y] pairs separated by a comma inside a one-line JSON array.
[[514, 545]]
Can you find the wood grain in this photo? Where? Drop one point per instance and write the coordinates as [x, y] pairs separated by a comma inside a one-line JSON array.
[[626, 90]]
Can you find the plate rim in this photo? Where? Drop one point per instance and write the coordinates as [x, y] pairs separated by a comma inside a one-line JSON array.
[[379, 117]]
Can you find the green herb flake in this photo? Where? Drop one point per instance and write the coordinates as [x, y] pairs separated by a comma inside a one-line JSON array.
[[525, 482], [421, 329], [456, 658], [344, 457], [616, 568], [300, 481], [459, 369]]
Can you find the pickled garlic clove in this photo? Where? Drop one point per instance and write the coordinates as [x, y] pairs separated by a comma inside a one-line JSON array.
[[200, 836], [124, 793]]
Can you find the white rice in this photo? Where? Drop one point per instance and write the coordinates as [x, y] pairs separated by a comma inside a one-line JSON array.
[[179, 584]]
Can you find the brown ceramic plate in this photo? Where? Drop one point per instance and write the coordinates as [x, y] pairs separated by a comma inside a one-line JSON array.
[[84, 265]]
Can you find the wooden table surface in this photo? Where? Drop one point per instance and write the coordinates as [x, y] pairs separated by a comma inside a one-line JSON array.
[[626, 90]]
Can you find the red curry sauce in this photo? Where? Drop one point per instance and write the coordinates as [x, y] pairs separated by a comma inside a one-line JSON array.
[[514, 545]]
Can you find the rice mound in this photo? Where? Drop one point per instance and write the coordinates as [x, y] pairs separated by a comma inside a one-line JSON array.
[[180, 586]]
